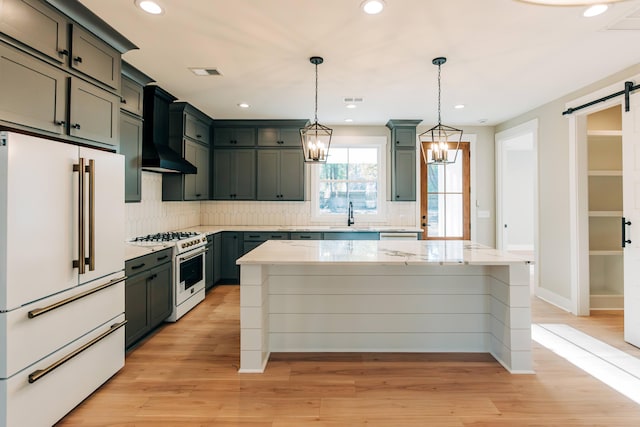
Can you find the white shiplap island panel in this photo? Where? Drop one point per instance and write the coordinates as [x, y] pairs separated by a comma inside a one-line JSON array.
[[384, 296]]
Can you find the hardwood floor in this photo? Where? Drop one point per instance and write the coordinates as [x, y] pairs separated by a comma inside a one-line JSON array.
[[186, 375]]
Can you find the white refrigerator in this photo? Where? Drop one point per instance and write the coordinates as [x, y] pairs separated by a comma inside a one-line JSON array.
[[61, 276]]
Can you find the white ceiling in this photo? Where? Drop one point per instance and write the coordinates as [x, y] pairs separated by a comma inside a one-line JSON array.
[[505, 57]]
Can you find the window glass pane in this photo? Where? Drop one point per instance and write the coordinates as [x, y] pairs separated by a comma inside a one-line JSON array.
[[454, 174], [364, 196], [435, 215], [435, 179], [333, 171], [333, 197], [453, 215]]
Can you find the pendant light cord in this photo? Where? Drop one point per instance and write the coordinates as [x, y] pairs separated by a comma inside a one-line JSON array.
[[439, 121], [316, 110]]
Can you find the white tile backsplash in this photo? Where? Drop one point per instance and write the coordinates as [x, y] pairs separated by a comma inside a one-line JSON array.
[[152, 215]]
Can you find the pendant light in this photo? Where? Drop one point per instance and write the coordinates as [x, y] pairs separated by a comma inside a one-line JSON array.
[[315, 138], [436, 142]]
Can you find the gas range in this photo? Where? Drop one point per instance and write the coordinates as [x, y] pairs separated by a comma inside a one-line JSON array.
[[188, 267], [183, 240]]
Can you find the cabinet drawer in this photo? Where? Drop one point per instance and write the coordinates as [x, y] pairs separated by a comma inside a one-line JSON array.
[[306, 236], [147, 262], [264, 236], [95, 58], [29, 339], [45, 401]]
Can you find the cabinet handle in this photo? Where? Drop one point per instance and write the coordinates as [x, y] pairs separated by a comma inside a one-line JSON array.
[[76, 125], [624, 234], [304, 237], [77, 59], [123, 101], [198, 136], [36, 375], [397, 142], [163, 257], [397, 196], [198, 195], [63, 52], [60, 122], [137, 267]]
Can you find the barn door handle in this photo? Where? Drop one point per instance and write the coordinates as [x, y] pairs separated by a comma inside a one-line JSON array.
[[624, 236]]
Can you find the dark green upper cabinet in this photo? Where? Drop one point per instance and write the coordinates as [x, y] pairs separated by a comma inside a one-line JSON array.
[[36, 25], [189, 131], [131, 148], [132, 96], [403, 159], [279, 137], [280, 175], [234, 137], [234, 174], [94, 58]]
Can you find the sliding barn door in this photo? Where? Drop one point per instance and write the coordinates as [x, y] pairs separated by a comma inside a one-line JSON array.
[[631, 213]]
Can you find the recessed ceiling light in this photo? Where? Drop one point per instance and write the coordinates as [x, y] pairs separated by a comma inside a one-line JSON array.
[[595, 10], [372, 7], [348, 120], [244, 105], [459, 106], [351, 106], [149, 6]]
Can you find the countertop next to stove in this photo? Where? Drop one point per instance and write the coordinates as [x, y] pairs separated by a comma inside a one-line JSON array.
[[134, 251]]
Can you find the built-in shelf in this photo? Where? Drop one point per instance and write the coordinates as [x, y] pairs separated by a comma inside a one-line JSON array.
[[604, 132], [616, 214], [606, 253], [605, 201], [605, 172]]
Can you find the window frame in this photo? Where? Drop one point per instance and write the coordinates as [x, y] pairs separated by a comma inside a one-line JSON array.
[[377, 142]]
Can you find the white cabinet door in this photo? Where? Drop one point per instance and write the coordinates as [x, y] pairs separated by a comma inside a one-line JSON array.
[[38, 215], [631, 212], [107, 216]]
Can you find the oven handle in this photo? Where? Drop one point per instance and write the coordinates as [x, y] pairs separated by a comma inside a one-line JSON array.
[[187, 257]]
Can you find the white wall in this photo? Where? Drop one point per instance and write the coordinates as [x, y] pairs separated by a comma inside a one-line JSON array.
[[553, 184]]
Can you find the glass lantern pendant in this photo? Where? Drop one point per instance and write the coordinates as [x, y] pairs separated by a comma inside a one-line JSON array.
[[316, 138], [438, 142]]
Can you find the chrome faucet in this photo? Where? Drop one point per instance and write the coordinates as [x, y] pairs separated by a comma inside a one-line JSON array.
[[350, 219]]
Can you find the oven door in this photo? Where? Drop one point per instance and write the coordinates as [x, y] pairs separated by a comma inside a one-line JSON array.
[[189, 274]]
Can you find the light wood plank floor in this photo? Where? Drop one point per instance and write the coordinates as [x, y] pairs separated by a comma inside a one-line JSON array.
[[186, 375]]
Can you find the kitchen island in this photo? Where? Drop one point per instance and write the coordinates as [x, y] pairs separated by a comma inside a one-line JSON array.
[[384, 296]]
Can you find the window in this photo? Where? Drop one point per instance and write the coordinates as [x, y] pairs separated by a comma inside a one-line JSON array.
[[353, 173], [447, 200]]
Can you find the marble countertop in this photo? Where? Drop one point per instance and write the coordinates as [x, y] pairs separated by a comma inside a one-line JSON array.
[[211, 229], [134, 251], [387, 252]]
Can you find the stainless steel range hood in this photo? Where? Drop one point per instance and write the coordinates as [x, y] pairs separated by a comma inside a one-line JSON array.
[[157, 155]]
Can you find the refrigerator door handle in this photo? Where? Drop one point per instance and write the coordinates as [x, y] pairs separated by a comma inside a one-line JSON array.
[[92, 214], [80, 262]]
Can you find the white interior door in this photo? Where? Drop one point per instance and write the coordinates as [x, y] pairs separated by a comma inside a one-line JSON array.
[[631, 212]]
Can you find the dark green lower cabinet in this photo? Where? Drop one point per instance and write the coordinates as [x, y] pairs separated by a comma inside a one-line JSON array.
[[148, 294], [209, 276], [231, 246]]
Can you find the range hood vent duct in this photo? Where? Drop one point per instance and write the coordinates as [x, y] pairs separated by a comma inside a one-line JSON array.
[[157, 155]]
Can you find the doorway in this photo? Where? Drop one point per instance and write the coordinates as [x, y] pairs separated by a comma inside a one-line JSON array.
[[445, 206], [517, 193]]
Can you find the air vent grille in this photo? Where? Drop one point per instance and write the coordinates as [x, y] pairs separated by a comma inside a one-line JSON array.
[[206, 71]]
